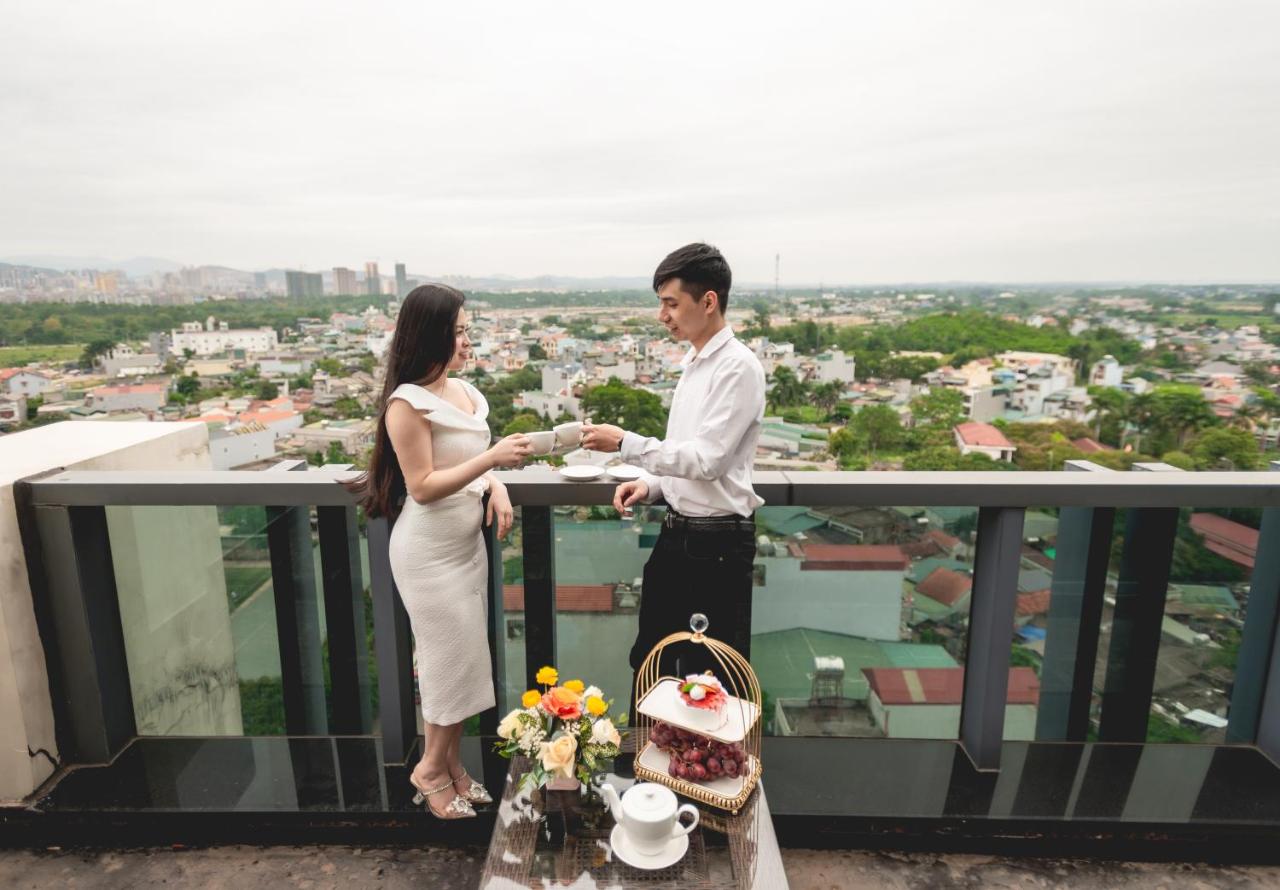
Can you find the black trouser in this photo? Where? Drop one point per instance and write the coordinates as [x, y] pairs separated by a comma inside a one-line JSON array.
[[707, 570]]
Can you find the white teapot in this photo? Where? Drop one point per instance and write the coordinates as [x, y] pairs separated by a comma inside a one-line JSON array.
[[650, 815]]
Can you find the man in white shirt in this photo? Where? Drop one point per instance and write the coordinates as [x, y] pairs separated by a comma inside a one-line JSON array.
[[702, 561]]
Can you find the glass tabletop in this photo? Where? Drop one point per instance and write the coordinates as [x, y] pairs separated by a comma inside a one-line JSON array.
[[551, 839]]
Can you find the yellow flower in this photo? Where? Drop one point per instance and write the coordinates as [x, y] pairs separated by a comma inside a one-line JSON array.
[[596, 706], [576, 685], [558, 755], [547, 676], [531, 698]]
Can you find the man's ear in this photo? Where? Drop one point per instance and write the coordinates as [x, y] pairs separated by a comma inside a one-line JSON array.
[[711, 300]]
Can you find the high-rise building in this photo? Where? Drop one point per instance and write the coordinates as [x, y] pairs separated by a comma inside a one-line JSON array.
[[401, 285], [299, 285], [344, 280], [106, 283], [372, 280]]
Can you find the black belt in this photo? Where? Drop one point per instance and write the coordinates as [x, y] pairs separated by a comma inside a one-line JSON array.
[[678, 522]]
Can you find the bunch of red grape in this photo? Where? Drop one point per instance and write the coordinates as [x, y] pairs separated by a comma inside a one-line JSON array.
[[695, 757]]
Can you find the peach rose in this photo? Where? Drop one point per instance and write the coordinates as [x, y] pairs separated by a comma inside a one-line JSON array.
[[563, 703], [558, 755]]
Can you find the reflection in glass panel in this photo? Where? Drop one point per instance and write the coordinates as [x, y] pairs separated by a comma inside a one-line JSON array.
[[1203, 617], [858, 619]]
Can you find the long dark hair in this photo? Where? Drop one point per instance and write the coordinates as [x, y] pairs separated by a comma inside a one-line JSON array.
[[420, 352]]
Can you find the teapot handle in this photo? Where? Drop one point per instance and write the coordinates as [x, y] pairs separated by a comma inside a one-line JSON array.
[[678, 829]]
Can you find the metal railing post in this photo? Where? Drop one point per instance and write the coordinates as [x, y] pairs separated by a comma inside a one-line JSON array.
[[539, 550], [990, 641], [345, 619], [85, 610], [1254, 716], [1141, 590], [1083, 551], [393, 648]]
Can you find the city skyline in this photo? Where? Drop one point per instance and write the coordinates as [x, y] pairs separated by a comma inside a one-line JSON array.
[[1081, 143]]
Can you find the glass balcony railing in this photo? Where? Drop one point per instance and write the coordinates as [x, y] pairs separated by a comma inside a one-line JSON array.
[[982, 610]]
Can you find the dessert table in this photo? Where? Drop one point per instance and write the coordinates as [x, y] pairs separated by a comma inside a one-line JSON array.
[[551, 839]]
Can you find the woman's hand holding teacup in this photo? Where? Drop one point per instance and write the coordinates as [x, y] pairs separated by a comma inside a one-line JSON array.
[[510, 451]]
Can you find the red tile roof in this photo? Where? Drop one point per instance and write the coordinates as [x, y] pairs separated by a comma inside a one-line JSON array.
[[267, 417], [945, 586], [853, 557], [1230, 540], [1036, 603], [569, 597], [1090, 446], [943, 686], [984, 434]]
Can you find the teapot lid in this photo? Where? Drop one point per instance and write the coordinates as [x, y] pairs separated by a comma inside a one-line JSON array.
[[649, 801]]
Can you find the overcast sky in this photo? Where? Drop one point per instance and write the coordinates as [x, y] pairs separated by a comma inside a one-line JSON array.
[[865, 142]]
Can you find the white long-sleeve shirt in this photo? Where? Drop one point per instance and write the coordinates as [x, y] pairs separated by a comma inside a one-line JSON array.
[[703, 467]]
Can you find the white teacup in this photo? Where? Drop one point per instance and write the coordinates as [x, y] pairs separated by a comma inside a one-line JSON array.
[[568, 434], [650, 816], [543, 441]]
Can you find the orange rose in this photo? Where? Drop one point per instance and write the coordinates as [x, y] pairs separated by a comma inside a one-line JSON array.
[[563, 703]]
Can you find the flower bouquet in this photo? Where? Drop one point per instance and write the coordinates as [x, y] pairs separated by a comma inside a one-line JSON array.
[[564, 729]]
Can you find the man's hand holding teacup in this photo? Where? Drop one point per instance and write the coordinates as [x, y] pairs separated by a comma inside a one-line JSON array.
[[629, 493], [602, 437]]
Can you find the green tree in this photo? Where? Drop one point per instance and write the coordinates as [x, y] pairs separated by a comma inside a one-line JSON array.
[[1110, 407], [266, 390], [827, 395], [1226, 448], [787, 389], [524, 422], [536, 352], [939, 407], [336, 454], [347, 407], [632, 409], [187, 387], [877, 428], [95, 348]]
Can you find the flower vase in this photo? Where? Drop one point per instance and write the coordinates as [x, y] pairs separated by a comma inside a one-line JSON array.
[[560, 783]]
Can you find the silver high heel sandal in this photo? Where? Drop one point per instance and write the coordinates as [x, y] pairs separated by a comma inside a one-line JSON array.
[[458, 808], [475, 793]]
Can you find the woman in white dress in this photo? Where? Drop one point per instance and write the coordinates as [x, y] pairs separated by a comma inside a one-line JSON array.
[[432, 451]]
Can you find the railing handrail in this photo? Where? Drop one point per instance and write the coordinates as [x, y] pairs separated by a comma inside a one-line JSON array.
[[536, 487]]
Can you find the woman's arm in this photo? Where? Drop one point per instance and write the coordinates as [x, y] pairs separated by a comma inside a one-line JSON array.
[[411, 439]]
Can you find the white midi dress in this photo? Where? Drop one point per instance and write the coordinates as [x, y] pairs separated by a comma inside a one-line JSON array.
[[439, 565]]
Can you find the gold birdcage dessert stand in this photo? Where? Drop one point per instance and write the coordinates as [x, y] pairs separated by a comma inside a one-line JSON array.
[[738, 727]]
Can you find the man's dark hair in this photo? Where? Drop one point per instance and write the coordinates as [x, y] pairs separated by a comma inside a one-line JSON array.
[[700, 267]]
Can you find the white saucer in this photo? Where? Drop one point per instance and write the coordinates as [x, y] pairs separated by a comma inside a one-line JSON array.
[[581, 472], [624, 472], [670, 856]]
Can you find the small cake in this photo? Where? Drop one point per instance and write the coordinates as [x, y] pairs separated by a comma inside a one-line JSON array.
[[704, 698]]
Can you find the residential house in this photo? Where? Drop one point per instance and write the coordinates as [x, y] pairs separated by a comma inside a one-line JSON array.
[[983, 438]]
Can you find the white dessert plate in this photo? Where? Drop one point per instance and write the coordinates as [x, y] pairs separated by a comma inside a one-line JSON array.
[[729, 788], [624, 472], [662, 702], [581, 473], [621, 846]]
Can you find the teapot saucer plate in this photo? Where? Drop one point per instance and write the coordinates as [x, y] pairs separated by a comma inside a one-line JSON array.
[[625, 852]]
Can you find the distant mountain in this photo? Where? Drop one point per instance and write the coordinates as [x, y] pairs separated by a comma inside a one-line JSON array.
[[135, 267]]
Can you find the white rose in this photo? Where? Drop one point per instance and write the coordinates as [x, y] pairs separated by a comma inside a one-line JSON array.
[[510, 725], [593, 691], [603, 732]]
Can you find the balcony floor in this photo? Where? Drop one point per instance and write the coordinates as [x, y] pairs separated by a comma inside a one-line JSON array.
[[446, 868]]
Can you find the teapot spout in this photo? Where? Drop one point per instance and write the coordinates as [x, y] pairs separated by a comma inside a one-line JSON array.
[[612, 800]]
